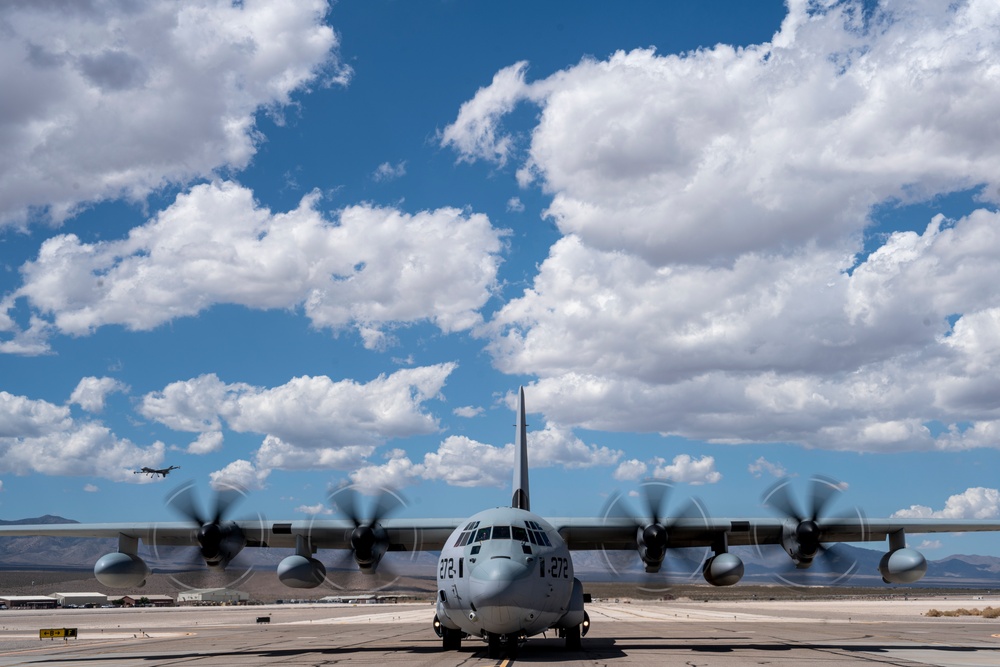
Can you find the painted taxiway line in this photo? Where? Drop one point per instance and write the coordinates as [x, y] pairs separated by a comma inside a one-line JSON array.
[[387, 618], [688, 615], [91, 635]]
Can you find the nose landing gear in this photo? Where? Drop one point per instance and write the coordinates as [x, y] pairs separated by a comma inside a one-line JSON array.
[[499, 645]]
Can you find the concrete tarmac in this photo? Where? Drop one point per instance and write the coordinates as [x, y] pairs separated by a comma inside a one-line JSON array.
[[839, 632]]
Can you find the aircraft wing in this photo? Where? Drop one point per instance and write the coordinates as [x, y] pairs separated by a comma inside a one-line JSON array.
[[404, 535], [901, 564], [591, 534], [579, 533]]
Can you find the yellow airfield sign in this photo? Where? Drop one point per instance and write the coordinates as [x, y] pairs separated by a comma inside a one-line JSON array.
[[53, 633]]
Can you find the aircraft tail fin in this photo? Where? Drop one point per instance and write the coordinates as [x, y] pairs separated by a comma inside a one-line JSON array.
[[521, 498]]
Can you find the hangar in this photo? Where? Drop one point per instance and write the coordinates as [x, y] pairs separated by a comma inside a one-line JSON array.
[[80, 599], [29, 601], [211, 596], [147, 601]]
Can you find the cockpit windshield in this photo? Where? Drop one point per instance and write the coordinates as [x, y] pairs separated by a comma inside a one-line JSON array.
[[473, 533]]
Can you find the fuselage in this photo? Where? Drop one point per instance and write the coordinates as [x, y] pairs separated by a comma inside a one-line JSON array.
[[505, 571]]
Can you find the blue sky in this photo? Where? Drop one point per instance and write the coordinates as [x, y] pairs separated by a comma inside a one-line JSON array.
[[296, 247]]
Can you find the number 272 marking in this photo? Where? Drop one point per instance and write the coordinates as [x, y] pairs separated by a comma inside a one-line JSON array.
[[558, 568]]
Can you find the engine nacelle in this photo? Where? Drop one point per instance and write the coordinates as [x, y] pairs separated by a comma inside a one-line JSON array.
[[121, 570], [220, 543], [651, 543], [723, 569], [902, 566], [369, 543], [801, 541], [301, 572]]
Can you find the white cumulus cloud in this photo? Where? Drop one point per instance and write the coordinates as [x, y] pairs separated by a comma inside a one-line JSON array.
[[240, 474], [205, 443], [462, 461], [307, 423], [684, 468], [313, 510], [713, 280], [722, 151], [975, 503], [390, 172], [632, 469], [91, 392], [40, 437], [369, 268], [762, 466], [102, 103]]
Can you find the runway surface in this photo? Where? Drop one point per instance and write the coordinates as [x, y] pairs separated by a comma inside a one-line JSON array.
[[841, 632]]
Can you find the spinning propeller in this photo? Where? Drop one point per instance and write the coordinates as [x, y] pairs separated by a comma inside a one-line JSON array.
[[369, 540], [802, 536], [654, 525], [219, 539]]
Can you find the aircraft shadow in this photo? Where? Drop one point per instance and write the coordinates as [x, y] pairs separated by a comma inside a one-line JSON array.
[[700, 645], [536, 651], [547, 651]]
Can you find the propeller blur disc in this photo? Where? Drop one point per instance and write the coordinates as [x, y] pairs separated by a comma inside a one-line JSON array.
[[679, 565], [366, 507], [187, 566], [825, 563]]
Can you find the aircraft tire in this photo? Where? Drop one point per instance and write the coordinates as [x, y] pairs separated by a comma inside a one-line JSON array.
[[573, 642], [451, 640], [494, 645]]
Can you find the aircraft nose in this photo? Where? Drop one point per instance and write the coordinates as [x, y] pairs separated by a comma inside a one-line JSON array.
[[499, 582]]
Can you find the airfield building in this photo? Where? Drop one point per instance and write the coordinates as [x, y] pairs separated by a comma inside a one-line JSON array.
[[213, 596], [151, 600], [29, 601], [81, 599]]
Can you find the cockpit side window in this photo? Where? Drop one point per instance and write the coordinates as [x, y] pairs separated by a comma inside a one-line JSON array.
[[519, 534], [536, 535], [482, 534]]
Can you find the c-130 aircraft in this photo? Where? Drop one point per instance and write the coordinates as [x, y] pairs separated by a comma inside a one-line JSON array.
[[506, 574]]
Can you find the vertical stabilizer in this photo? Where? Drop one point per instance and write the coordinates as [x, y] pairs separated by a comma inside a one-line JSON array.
[[521, 497]]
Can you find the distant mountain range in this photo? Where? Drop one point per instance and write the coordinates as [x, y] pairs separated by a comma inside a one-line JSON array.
[[762, 566]]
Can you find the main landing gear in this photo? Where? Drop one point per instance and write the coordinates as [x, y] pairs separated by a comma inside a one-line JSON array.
[[574, 633], [498, 646], [573, 642], [451, 640]]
